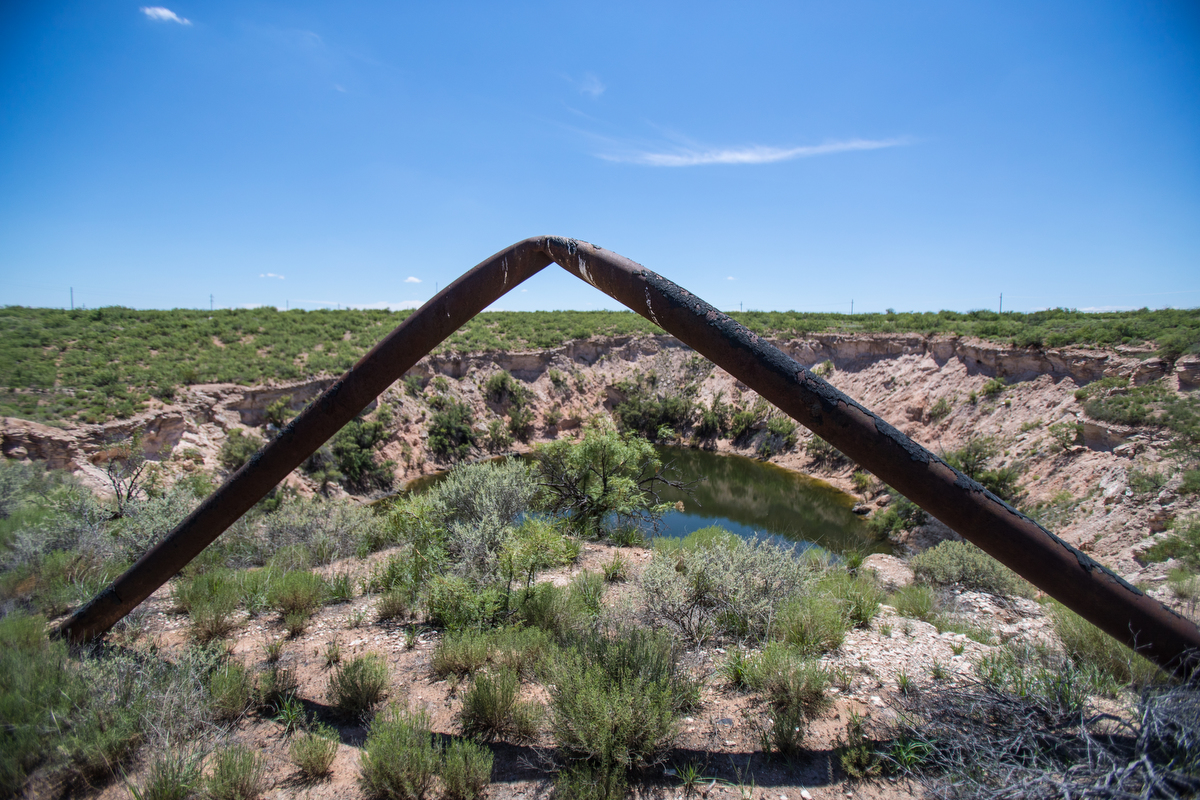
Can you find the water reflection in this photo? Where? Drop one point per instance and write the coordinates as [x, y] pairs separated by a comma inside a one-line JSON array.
[[752, 498]]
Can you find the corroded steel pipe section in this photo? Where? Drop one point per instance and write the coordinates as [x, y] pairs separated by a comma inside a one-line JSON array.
[[1039, 556]]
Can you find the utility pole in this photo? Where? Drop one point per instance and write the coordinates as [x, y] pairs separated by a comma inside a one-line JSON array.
[[852, 307], [1002, 302], [72, 298], [210, 303]]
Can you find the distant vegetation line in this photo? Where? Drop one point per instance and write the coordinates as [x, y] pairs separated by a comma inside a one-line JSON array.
[[102, 363]]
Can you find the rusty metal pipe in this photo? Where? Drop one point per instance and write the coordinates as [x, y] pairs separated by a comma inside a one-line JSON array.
[[1039, 556]]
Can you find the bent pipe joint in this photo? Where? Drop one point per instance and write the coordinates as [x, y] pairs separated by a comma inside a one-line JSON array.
[[1045, 560]]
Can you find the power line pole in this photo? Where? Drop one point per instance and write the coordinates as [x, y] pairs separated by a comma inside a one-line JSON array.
[[852, 307], [210, 303], [72, 298], [1002, 302]]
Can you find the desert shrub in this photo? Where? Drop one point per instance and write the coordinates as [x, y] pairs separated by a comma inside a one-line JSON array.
[[451, 434], [466, 770], [237, 449], [237, 773], [548, 608], [812, 624], [313, 752], [823, 452], [915, 601], [719, 584], [399, 760], [781, 435], [974, 459], [276, 686], [329, 530], [1090, 647], [607, 480], [795, 686], [587, 589], [231, 689], [859, 596], [940, 409], [357, 685], [535, 545], [615, 701], [498, 437], [1065, 434], [648, 407], [297, 593], [1147, 481], [901, 514], [461, 652], [491, 708], [965, 564], [993, 387], [1183, 544], [392, 605], [456, 603], [171, 775]]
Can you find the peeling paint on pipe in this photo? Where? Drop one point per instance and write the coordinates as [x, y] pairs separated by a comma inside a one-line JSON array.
[[1045, 560]]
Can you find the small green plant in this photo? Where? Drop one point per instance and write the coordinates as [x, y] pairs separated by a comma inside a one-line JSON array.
[[393, 605], [861, 481], [291, 715], [905, 683], [460, 653], [915, 601], [1147, 481], [273, 650], [856, 752], [356, 686], [1183, 544], [399, 760], [297, 592], [813, 624], [172, 775], [295, 623], [466, 770], [1088, 646], [231, 689], [491, 708], [885, 631], [332, 653], [957, 648], [858, 595], [1065, 434], [615, 570], [341, 587], [238, 773], [940, 409], [313, 752], [907, 755], [938, 671], [993, 387], [965, 564], [276, 686]]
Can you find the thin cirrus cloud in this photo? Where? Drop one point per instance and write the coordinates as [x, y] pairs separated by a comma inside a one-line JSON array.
[[747, 155], [160, 14], [269, 275]]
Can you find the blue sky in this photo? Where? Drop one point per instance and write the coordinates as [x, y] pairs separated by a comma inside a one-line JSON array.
[[917, 156]]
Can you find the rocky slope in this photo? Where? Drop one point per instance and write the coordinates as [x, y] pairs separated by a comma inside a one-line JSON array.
[[1083, 486]]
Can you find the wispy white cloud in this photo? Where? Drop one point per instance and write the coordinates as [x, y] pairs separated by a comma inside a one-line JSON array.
[[390, 305], [269, 275], [754, 154], [160, 14], [411, 279], [731, 278], [589, 84]]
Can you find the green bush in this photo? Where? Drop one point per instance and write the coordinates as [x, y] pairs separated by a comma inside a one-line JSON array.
[[993, 387], [859, 595], [915, 601], [238, 773], [901, 514], [276, 686], [399, 760], [466, 770], [356, 686], [1147, 481], [615, 701], [1183, 544], [965, 564], [354, 451], [491, 708], [171, 776], [813, 624], [451, 434], [461, 653], [713, 583], [940, 409], [297, 593], [456, 603], [313, 752], [231, 689], [237, 449], [823, 452], [1088, 646]]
